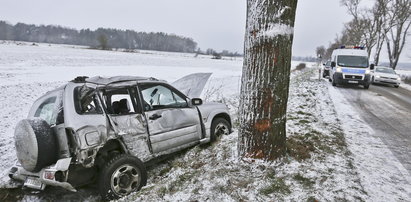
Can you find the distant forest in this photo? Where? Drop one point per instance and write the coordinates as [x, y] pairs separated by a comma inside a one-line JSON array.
[[100, 38]]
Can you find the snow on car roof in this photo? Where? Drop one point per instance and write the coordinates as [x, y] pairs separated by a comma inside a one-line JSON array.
[[108, 80]]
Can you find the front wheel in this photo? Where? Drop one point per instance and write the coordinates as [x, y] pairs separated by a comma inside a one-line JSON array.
[[219, 127], [121, 176], [366, 86], [333, 82], [396, 86]]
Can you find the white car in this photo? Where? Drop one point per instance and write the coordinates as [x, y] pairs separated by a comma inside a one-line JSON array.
[[386, 75]]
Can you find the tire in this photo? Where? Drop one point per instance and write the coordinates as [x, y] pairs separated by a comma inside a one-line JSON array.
[[333, 82], [121, 176], [366, 86], [396, 86], [219, 126], [36, 145]]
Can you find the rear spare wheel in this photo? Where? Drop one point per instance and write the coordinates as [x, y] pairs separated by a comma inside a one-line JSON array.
[[36, 146]]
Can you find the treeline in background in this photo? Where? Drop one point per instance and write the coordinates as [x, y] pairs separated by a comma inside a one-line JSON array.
[[101, 38]]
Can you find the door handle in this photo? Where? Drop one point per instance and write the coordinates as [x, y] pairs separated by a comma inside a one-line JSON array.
[[154, 117]]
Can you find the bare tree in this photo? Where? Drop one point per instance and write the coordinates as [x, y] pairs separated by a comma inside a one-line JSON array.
[[320, 51], [395, 39], [265, 79], [361, 30], [354, 31], [383, 23]]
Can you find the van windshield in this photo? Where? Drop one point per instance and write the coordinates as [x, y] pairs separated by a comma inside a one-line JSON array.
[[352, 61]]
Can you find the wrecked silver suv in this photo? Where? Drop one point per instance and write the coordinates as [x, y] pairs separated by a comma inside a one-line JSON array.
[[105, 129]]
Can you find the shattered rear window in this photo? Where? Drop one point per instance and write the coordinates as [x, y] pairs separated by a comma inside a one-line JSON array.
[[46, 109]]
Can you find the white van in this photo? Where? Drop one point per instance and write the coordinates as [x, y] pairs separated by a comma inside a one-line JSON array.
[[349, 65]]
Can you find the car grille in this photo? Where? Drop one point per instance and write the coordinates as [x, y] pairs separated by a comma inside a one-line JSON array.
[[388, 78], [353, 77]]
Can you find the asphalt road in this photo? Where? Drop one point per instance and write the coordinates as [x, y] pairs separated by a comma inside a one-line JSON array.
[[388, 111]]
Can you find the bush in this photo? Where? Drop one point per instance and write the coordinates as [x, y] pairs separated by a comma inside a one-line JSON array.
[[300, 66]]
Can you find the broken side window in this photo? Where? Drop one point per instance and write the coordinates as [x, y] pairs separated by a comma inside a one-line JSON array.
[[86, 100], [119, 101], [159, 97]]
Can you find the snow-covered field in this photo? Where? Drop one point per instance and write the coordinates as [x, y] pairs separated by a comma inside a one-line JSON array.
[[327, 160]]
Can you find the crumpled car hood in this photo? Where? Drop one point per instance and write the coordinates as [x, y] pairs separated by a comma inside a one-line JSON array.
[[193, 84]]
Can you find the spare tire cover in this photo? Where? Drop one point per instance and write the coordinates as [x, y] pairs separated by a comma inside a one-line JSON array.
[[36, 146]]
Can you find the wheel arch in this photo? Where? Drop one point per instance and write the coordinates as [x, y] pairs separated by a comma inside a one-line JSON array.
[[223, 115], [110, 149]]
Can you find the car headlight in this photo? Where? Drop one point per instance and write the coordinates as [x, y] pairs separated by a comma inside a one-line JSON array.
[[399, 79], [339, 69], [377, 76], [367, 71]]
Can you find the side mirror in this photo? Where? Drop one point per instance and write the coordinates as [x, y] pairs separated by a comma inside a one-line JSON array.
[[196, 101], [324, 64], [332, 64], [372, 66]]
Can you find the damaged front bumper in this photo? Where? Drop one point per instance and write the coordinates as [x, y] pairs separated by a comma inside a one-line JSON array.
[[54, 175]]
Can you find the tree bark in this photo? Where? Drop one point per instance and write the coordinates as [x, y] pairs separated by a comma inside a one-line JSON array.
[[265, 79]]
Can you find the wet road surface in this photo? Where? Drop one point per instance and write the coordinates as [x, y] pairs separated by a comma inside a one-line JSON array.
[[387, 110]]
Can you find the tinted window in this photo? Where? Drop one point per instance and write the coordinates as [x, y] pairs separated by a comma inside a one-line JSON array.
[[159, 96], [46, 109]]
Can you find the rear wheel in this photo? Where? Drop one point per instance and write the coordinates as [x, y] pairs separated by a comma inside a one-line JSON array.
[[219, 127], [121, 176]]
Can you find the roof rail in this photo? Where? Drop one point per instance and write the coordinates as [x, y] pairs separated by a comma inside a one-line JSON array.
[[80, 79]]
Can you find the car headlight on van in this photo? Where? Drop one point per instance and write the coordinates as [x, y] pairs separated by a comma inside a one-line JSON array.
[[367, 71], [339, 69]]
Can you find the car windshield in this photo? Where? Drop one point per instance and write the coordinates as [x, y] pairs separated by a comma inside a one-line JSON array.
[[385, 70], [352, 61]]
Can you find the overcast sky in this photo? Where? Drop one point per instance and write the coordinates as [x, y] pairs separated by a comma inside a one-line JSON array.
[[217, 24]]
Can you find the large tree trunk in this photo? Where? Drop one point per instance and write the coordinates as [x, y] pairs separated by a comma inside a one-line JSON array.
[[265, 79]]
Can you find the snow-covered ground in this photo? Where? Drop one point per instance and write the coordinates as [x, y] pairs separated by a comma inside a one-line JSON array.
[[328, 159], [405, 75]]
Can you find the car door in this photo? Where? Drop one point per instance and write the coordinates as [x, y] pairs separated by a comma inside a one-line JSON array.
[[127, 119], [172, 122]]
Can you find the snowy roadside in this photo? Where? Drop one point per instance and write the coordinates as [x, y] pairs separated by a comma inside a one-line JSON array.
[[318, 165], [405, 75], [384, 178], [332, 154]]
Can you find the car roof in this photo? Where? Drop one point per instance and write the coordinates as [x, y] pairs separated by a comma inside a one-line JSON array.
[[117, 79], [350, 52]]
